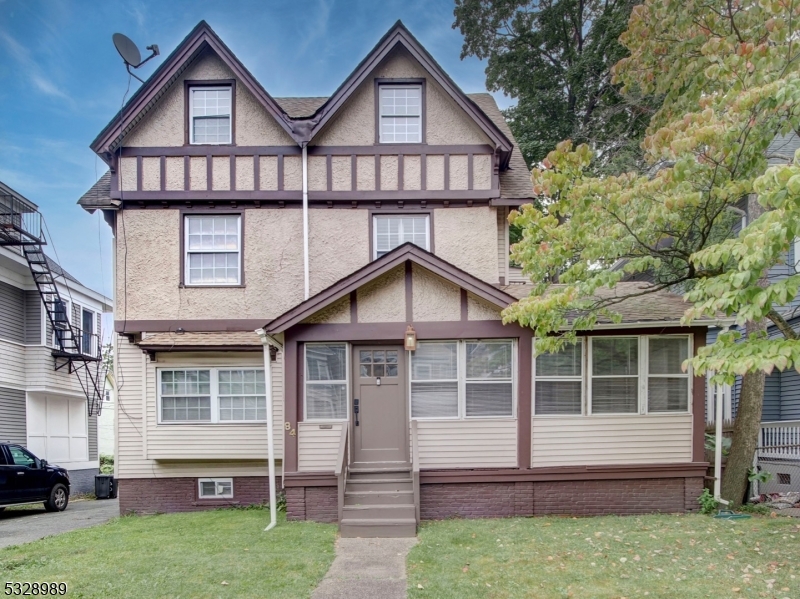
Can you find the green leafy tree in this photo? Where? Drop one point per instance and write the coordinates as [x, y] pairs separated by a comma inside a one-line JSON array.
[[728, 73], [555, 57]]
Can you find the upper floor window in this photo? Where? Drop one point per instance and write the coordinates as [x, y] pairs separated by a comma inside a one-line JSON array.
[[393, 230], [210, 115], [400, 113], [213, 250]]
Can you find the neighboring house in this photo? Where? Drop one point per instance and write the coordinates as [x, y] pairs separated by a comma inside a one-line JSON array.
[[105, 423], [42, 404], [408, 182]]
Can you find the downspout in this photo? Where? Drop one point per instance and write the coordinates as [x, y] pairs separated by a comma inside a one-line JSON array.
[[268, 341], [719, 395], [305, 222]]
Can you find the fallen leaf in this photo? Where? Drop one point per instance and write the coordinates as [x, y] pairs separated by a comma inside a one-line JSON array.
[[465, 569], [623, 559], [736, 589], [419, 586], [224, 583]]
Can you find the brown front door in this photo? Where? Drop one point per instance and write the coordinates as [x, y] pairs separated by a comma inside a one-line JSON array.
[[380, 429]]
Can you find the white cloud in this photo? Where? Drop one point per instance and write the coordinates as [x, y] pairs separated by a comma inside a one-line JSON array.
[[30, 67]]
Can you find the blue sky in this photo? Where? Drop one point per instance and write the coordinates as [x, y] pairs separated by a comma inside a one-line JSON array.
[[61, 81]]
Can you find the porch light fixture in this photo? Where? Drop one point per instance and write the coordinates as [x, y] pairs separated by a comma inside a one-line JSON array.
[[410, 339]]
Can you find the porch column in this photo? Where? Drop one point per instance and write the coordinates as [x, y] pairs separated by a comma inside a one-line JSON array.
[[524, 407], [291, 405]]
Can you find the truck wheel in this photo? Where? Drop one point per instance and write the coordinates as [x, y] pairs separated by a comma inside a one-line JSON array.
[[59, 498]]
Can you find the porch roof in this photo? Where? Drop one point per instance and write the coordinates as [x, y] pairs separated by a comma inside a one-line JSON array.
[[400, 255]]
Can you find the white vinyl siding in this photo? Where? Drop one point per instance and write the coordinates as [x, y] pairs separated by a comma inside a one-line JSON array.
[[400, 113], [391, 231], [318, 446], [463, 379], [211, 395], [484, 443], [213, 250], [558, 386], [215, 488], [210, 114], [326, 367]]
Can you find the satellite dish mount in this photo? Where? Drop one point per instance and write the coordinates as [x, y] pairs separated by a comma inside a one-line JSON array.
[[130, 53]]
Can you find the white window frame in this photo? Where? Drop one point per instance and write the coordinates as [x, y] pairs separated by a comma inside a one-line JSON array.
[[580, 379], [462, 380], [375, 218], [187, 252], [347, 365], [688, 375], [210, 88], [94, 323], [642, 376], [216, 481], [381, 116], [214, 379]]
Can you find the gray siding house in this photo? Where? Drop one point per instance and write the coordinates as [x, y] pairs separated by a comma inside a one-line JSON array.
[[43, 408]]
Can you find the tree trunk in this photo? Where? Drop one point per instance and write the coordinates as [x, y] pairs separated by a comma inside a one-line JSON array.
[[751, 401]]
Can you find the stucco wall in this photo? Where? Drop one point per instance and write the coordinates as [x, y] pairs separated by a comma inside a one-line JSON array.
[[273, 267], [479, 309], [338, 244], [337, 313], [384, 299], [447, 123], [164, 125], [434, 299], [467, 238]]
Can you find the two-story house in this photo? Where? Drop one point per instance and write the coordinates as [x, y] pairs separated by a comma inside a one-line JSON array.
[[366, 236], [41, 406]]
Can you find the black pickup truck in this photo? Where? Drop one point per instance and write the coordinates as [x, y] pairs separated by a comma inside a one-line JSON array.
[[26, 479]]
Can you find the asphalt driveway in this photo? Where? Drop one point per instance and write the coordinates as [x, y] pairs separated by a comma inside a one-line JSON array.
[[19, 526]]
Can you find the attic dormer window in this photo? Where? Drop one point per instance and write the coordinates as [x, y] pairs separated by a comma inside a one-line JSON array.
[[210, 110], [400, 113]]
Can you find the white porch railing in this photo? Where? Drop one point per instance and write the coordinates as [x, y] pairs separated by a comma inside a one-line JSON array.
[[780, 440]]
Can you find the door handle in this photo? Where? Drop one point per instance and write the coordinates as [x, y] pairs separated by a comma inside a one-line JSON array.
[[355, 410]]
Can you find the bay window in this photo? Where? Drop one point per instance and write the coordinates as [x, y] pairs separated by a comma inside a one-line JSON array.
[[211, 395], [326, 381], [462, 379]]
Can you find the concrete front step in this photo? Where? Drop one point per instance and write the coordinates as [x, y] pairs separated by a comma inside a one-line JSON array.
[[378, 512], [377, 528], [378, 497]]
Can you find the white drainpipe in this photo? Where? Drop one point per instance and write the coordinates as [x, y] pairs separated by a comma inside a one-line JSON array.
[[719, 394], [268, 341], [305, 222]]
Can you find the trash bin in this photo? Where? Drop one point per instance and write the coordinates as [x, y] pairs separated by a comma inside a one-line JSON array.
[[105, 486]]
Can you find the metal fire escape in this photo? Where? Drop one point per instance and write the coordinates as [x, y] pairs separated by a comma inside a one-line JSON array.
[[80, 351]]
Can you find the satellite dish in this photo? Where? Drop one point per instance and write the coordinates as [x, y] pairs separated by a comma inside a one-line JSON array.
[[127, 49], [130, 52]]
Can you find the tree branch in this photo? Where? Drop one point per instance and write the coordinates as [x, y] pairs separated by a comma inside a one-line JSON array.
[[783, 326]]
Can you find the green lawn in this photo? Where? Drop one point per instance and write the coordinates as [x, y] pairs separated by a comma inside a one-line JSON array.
[[659, 557], [223, 553]]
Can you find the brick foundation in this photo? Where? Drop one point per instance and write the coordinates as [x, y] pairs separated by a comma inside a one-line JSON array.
[[573, 498], [151, 495], [320, 504]]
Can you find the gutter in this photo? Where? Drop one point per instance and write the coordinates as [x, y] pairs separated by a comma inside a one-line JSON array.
[[721, 322], [269, 341]]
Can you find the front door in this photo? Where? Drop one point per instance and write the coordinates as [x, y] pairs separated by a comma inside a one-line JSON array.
[[380, 428]]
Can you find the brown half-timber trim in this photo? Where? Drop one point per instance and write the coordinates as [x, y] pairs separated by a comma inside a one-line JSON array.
[[400, 172], [232, 175], [388, 82], [499, 475], [377, 173], [698, 402], [139, 173], [190, 326], [162, 166], [394, 331], [187, 85], [158, 197], [187, 179], [381, 266], [184, 212], [353, 306], [291, 390], [204, 200], [464, 305], [215, 149], [409, 285], [373, 212]]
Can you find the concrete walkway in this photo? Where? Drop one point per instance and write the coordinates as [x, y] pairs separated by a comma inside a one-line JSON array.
[[367, 569], [19, 526]]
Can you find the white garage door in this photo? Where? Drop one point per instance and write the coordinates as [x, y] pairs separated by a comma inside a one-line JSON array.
[[57, 429]]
